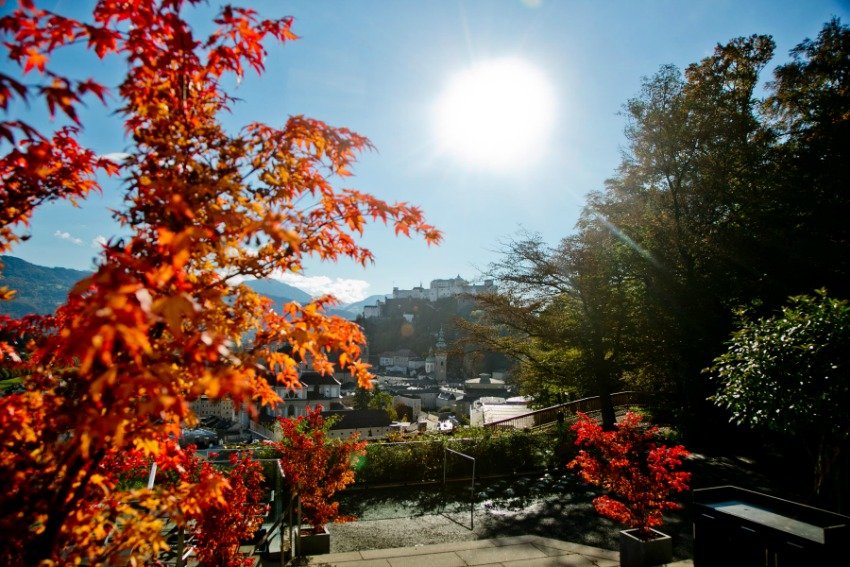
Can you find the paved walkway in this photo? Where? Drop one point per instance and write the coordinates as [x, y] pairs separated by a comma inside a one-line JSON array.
[[516, 551]]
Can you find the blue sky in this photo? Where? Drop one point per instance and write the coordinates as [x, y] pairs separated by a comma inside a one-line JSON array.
[[380, 67]]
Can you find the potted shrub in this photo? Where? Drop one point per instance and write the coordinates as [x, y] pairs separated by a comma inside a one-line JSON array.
[[639, 474], [316, 467]]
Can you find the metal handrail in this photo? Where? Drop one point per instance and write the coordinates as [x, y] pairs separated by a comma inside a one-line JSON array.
[[446, 451], [549, 415]]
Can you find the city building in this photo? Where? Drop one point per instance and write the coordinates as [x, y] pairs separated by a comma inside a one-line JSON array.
[[317, 390], [369, 424], [489, 409]]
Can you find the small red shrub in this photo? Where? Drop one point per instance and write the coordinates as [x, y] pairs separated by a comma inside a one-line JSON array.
[[315, 465], [629, 463]]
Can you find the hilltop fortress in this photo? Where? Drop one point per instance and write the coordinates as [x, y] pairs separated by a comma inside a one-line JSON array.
[[444, 288], [438, 289]]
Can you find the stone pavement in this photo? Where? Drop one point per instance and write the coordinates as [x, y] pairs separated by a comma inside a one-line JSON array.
[[515, 551]]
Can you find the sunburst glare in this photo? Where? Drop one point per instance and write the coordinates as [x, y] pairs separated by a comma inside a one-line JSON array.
[[497, 114]]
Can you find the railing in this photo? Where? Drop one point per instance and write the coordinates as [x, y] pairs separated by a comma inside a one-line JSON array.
[[550, 415], [446, 452], [261, 430], [289, 518]]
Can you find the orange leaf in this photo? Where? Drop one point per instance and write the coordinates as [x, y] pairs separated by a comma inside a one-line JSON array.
[[35, 59]]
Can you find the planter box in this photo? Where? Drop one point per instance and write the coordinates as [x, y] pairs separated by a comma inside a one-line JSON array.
[[638, 552], [734, 526], [311, 543]]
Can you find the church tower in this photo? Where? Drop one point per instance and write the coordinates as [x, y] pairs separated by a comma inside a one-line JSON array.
[[440, 356]]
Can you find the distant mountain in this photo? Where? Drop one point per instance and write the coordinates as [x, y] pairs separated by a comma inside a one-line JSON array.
[[38, 289], [357, 306], [281, 293], [278, 291]]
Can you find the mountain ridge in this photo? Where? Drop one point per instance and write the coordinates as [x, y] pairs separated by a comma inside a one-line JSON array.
[[41, 289], [38, 289]]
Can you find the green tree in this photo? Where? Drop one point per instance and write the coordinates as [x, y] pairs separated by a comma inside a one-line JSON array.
[[374, 399], [560, 313], [692, 175], [809, 110], [790, 373], [362, 396], [383, 401]]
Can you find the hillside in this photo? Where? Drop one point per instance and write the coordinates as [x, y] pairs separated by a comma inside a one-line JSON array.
[[392, 331], [39, 289], [414, 323]]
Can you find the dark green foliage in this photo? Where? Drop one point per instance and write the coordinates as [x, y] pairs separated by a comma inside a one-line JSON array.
[[681, 207], [790, 373], [496, 453], [561, 312], [407, 462], [809, 109], [382, 401], [374, 399], [362, 397]]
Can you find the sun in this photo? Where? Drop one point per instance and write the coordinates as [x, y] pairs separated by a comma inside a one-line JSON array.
[[496, 115]]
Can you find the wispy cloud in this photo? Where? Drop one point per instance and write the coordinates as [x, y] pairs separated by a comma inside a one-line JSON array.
[[346, 290], [98, 241], [117, 157], [67, 236]]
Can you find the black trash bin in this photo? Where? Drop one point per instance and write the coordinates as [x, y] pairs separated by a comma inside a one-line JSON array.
[[734, 527]]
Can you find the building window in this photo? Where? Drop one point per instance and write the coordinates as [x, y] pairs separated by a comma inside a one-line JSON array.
[[290, 411]]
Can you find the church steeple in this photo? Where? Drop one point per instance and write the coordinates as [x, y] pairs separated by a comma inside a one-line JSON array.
[[441, 340], [440, 356]]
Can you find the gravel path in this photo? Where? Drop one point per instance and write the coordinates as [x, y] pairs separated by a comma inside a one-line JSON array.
[[567, 515]]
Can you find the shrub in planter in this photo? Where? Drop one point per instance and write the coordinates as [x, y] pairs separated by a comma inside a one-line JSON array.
[[639, 474], [316, 466]]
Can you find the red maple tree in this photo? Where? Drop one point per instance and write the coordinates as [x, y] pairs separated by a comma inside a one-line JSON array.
[[315, 465], [215, 526], [220, 529], [629, 463], [161, 321]]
